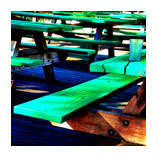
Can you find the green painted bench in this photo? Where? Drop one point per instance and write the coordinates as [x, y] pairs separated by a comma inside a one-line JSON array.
[[62, 51], [25, 62], [63, 105], [117, 34], [109, 43], [121, 65]]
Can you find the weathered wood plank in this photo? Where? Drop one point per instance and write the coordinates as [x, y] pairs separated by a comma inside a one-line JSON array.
[[90, 122], [62, 105], [138, 102], [131, 129], [109, 124]]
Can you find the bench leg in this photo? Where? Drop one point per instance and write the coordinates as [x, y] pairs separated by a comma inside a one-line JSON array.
[[109, 37], [42, 49], [92, 58], [49, 73]]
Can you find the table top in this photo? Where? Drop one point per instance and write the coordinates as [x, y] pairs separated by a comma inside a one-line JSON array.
[[39, 26], [121, 65], [102, 14], [77, 18]]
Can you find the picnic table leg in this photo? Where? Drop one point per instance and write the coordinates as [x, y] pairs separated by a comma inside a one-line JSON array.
[[42, 48], [109, 37], [16, 36], [96, 46]]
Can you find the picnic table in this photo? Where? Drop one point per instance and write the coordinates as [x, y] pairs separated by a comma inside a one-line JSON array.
[[20, 28], [121, 65], [99, 23], [64, 106]]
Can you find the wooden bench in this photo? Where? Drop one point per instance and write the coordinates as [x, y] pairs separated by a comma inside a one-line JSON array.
[[122, 35], [62, 51], [63, 105], [21, 62], [25, 62]]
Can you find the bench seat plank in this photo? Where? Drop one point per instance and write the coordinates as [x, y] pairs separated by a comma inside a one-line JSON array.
[[58, 48], [61, 106], [26, 62], [115, 33], [88, 41]]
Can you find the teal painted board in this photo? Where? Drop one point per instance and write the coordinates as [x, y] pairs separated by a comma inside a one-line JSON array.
[[117, 65], [89, 41], [112, 65], [82, 19], [26, 62], [57, 48], [37, 26], [137, 68], [60, 106]]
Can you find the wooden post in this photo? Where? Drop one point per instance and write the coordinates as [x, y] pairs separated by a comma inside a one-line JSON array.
[[42, 49]]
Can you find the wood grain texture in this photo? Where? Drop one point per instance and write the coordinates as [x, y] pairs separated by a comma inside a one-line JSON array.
[[62, 105], [90, 122], [138, 102], [131, 129]]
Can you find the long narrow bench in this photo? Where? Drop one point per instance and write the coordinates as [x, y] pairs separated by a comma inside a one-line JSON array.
[[63, 105], [25, 62], [62, 51], [59, 48], [122, 35], [109, 43], [121, 65]]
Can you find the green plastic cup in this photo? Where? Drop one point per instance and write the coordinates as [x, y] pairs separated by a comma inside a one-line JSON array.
[[135, 49]]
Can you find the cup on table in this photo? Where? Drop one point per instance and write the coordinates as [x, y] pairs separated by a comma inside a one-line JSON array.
[[135, 49]]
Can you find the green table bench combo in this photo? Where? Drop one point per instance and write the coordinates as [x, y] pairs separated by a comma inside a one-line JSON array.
[[70, 106], [98, 23], [74, 105], [92, 49], [23, 28]]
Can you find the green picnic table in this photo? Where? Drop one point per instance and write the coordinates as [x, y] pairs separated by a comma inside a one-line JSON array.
[[99, 23], [21, 28]]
